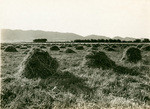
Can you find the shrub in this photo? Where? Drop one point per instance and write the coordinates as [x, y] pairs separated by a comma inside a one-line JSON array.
[[55, 48], [10, 49], [70, 51], [79, 47], [38, 63], [99, 60], [132, 54]]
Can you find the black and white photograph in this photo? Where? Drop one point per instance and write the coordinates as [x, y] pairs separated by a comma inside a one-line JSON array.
[[74, 54]]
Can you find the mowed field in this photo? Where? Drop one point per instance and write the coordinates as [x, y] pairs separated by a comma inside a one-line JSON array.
[[83, 87]]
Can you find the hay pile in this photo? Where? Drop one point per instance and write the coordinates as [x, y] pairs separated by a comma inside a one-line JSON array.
[[70, 51], [62, 46], [107, 48], [10, 49], [23, 47], [54, 48], [79, 47], [42, 46], [69, 45], [132, 55], [88, 45], [2, 47], [18, 46], [110, 49], [99, 60], [94, 48], [146, 48], [38, 63]]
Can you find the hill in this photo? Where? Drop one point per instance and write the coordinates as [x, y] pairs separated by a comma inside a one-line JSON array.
[[9, 35], [28, 36]]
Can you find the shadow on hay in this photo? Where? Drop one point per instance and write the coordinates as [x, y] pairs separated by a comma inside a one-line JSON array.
[[101, 60], [125, 70], [66, 81]]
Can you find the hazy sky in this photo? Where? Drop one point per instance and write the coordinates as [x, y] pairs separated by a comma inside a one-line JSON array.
[[126, 18]]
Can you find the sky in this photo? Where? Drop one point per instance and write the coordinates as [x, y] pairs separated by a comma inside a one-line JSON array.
[[126, 18]]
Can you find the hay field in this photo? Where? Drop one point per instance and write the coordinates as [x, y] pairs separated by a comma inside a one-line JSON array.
[[83, 87]]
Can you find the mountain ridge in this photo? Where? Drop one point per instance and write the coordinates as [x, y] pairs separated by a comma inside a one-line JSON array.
[[18, 35]]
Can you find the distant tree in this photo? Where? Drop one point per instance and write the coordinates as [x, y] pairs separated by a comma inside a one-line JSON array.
[[137, 40], [40, 40], [146, 40]]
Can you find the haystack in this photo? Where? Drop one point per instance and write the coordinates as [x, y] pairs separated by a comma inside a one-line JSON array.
[[70, 51], [132, 54], [10, 49], [38, 63], [88, 45], [23, 47], [55, 48], [69, 45], [146, 48], [62, 46], [79, 47], [110, 49], [94, 48], [42, 46], [2, 47], [99, 60]]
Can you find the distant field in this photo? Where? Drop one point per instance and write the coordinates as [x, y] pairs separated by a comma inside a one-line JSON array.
[[86, 88]]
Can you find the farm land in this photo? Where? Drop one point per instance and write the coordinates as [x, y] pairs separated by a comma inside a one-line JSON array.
[[79, 86]]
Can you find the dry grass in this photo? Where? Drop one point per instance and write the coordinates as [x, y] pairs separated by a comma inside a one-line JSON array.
[[77, 86]]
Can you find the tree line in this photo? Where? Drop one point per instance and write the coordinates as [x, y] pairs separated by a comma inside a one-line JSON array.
[[112, 40], [101, 40], [40, 40]]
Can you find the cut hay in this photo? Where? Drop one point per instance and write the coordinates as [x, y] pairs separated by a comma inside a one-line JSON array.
[[70, 51], [23, 47], [2, 47], [26, 52], [54, 48], [110, 49], [107, 48], [94, 48], [18, 46], [10, 49], [139, 45], [69, 45], [132, 55], [146, 48], [38, 63], [88, 45], [42, 46], [99, 60], [62, 46], [79, 48]]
